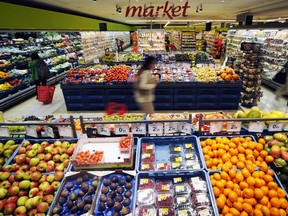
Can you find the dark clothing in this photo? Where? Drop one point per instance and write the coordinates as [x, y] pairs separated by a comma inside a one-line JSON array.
[[167, 43]]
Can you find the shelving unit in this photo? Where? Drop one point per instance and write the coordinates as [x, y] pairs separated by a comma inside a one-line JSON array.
[[176, 39], [188, 40], [151, 40]]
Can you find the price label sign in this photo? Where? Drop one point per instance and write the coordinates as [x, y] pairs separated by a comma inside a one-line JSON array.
[[275, 126], [185, 128], [104, 130], [215, 127], [31, 131], [285, 128], [121, 129], [170, 128], [4, 132], [65, 131], [234, 126], [256, 127], [155, 128], [49, 131], [139, 129], [96, 61]]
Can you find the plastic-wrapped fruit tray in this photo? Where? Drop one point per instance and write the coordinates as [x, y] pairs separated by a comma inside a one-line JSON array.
[[115, 195], [168, 193], [111, 159], [169, 153], [75, 195]]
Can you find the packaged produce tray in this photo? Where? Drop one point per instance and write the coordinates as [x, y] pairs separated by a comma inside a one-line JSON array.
[[169, 154], [112, 156], [115, 194], [76, 194], [60, 153], [172, 194]]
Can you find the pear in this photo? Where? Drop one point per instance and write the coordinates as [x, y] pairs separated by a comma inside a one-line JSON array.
[[7, 153], [280, 162], [280, 137], [13, 147], [284, 155]]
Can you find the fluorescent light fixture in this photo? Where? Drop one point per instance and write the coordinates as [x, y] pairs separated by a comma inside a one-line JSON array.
[[167, 23]]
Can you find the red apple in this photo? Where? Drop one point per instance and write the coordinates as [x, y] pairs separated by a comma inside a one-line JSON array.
[[28, 160], [49, 168], [36, 176], [57, 143], [34, 184], [20, 159], [54, 151], [56, 158], [35, 201], [18, 175], [51, 163], [48, 198], [42, 207], [20, 210], [9, 208], [49, 190], [33, 192], [2, 204], [70, 151], [21, 201], [25, 143], [66, 163], [44, 143], [40, 193], [44, 185], [11, 179], [12, 199], [59, 175], [13, 190], [27, 175], [23, 193], [28, 148], [5, 184], [33, 169], [41, 156], [15, 167], [50, 178], [48, 157], [22, 150], [24, 167], [32, 212], [56, 185], [41, 167], [42, 179]]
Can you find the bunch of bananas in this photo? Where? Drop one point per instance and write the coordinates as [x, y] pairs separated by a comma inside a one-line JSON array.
[[3, 75], [5, 86]]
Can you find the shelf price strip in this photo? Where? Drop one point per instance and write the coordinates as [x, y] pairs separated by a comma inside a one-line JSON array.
[[139, 129], [234, 126], [4, 132], [104, 130], [155, 128], [185, 128], [170, 128], [121, 129], [256, 127]]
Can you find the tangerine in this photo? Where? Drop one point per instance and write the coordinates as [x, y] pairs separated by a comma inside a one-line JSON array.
[[264, 167], [225, 210], [251, 201], [272, 193], [268, 178], [248, 193], [281, 193], [259, 147], [274, 211], [263, 153], [257, 212], [232, 196], [264, 201], [224, 175], [247, 208], [217, 176], [275, 202], [270, 172], [243, 213], [220, 202], [272, 185], [239, 177], [238, 206], [241, 149], [227, 191], [251, 181], [261, 141], [265, 210], [282, 212], [230, 184], [243, 185], [269, 158], [216, 191], [232, 173], [245, 173], [240, 165], [234, 212], [258, 193]]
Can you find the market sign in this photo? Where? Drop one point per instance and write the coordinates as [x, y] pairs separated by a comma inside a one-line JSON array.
[[170, 11]]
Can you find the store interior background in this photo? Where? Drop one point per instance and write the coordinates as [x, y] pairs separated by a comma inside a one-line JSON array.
[[76, 16]]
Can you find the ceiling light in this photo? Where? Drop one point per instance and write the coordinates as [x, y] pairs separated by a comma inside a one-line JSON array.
[[222, 1], [197, 9], [167, 23], [118, 9], [200, 8]]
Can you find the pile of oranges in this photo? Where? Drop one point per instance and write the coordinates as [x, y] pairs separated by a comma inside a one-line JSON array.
[[224, 153], [247, 192]]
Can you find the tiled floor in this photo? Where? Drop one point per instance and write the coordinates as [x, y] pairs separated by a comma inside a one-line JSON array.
[[57, 107]]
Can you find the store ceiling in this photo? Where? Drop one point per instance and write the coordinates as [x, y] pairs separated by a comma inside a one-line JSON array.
[[216, 11]]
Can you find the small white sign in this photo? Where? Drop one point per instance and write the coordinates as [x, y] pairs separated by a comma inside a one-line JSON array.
[[185, 128], [155, 128], [4, 132], [256, 127], [234, 126], [96, 61], [275, 126], [170, 128], [31, 131], [139, 129], [104, 130], [121, 129], [215, 127], [65, 131], [49, 131], [285, 128]]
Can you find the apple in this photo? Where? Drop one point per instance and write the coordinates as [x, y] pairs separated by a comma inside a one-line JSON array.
[[9, 208], [20, 159], [25, 143], [3, 193], [11, 179], [24, 167], [2, 204], [44, 143], [25, 184], [20, 210], [21, 201], [36, 147], [48, 198], [54, 151], [34, 184], [12, 199], [33, 192], [16, 183], [32, 212], [56, 185], [56, 158], [18, 175], [33, 169], [48, 157], [57, 143], [49, 168], [42, 207], [44, 185], [4, 175], [27, 175], [73, 145], [49, 190], [41, 167], [36, 176], [65, 144], [23, 193], [35, 201], [15, 167], [7, 168], [60, 167], [42, 149], [51, 163], [34, 162], [28, 160], [41, 156], [13, 190], [40, 193], [50, 178], [48, 149], [31, 153], [61, 150], [42, 179], [28, 204], [66, 163], [59, 175], [70, 151], [5, 184], [28, 148], [64, 157], [22, 150]]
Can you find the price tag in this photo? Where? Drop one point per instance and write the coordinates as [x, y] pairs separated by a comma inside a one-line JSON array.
[[170, 128], [104, 130], [155, 128], [4, 132], [275, 126], [185, 128], [285, 128], [96, 61], [65, 131], [256, 127], [138, 128], [234, 126], [121, 129], [49, 131], [215, 127], [31, 131]]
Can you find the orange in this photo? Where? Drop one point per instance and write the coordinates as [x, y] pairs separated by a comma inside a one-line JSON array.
[[230, 184], [233, 152], [282, 212], [251, 167], [269, 158], [261, 174], [217, 176], [264, 200], [275, 202], [225, 168], [232, 173], [251, 201], [226, 157], [264, 190], [209, 164], [215, 161], [234, 160], [215, 153], [243, 185], [270, 172], [220, 202], [259, 158], [248, 193], [225, 210], [241, 149], [207, 157], [258, 193], [245, 173], [235, 140], [224, 175], [268, 178], [240, 165], [238, 206], [248, 138], [216, 191], [232, 196], [265, 210], [252, 145], [221, 152], [256, 153], [281, 193], [220, 185], [263, 153], [258, 182], [258, 206], [243, 213], [256, 174], [203, 143], [272, 193], [264, 167], [232, 145], [234, 212], [210, 153], [259, 147], [239, 177], [227, 191], [229, 203], [247, 208], [237, 191], [251, 181], [274, 211], [272, 185], [257, 212], [261, 141], [213, 182]]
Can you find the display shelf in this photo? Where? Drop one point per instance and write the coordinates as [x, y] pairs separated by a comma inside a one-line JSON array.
[[152, 40], [188, 40]]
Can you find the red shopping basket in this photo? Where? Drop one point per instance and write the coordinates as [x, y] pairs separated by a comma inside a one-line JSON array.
[[115, 108], [45, 93]]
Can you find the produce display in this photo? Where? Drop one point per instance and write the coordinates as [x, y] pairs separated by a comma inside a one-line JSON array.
[[127, 117], [228, 74], [206, 125], [123, 57], [76, 195], [174, 195], [116, 194], [7, 148], [205, 74], [165, 116], [118, 73]]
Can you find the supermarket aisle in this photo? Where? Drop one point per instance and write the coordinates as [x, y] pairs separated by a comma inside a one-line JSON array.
[[57, 107]]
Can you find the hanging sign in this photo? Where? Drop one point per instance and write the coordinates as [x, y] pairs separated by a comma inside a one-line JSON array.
[[49, 131], [285, 128]]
